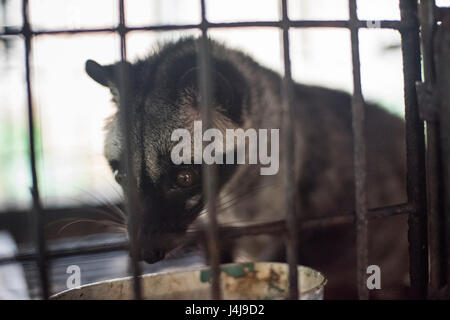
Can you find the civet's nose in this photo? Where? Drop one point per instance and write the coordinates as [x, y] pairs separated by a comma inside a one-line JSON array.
[[152, 255]]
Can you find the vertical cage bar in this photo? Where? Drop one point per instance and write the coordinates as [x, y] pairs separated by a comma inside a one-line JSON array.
[[131, 187], [359, 159], [38, 215], [209, 175], [435, 193], [415, 151], [289, 142], [443, 79]]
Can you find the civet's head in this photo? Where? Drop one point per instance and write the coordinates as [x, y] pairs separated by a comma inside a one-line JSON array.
[[163, 95]]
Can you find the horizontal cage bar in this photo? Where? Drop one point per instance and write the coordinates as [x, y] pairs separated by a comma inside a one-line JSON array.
[[369, 24]]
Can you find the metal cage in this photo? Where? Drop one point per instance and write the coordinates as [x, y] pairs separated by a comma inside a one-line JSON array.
[[427, 161]]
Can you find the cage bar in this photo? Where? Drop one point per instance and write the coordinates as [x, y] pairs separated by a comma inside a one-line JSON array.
[[276, 227], [384, 24], [289, 158], [132, 193], [209, 175], [433, 153], [443, 79], [359, 159], [415, 152], [38, 213]]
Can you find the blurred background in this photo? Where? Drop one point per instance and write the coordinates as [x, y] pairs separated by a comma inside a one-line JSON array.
[[71, 108]]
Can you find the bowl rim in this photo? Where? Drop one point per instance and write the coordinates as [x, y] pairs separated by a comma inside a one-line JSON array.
[[317, 287]]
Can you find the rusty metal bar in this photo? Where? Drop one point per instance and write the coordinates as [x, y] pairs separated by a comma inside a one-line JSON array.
[[279, 227], [276, 227], [209, 175], [131, 187], [442, 48], [384, 24], [436, 217], [359, 160], [415, 152], [289, 141], [38, 213], [61, 253]]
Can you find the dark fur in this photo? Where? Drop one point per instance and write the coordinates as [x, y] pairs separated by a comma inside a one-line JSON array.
[[164, 96]]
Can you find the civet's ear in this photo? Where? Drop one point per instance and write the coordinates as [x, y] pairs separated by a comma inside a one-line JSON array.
[[101, 74]]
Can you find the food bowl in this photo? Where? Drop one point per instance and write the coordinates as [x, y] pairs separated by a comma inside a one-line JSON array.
[[248, 281]]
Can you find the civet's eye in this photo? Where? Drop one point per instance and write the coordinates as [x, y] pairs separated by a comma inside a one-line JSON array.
[[186, 178], [118, 176]]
